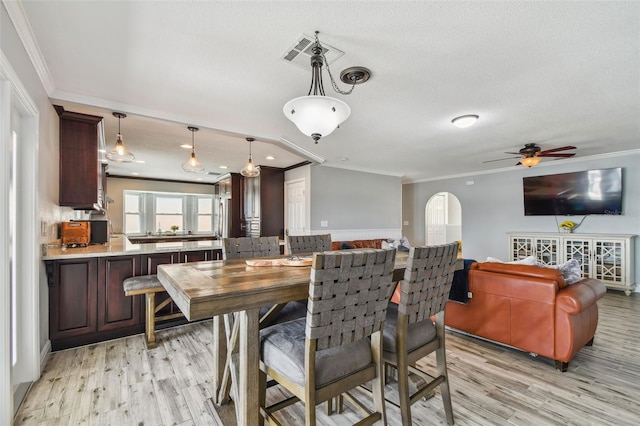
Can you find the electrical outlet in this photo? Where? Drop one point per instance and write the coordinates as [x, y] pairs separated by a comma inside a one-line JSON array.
[[324, 223]]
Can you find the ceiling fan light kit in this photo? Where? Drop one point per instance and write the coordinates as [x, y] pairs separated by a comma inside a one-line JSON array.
[[120, 153], [317, 115], [530, 161]]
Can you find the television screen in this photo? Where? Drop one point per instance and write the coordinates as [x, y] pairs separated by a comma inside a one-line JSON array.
[[578, 193]]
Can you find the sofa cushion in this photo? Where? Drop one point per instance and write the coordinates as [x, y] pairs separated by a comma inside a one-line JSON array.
[[571, 271]]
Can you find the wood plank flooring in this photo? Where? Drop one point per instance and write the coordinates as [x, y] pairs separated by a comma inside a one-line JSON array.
[[120, 383]]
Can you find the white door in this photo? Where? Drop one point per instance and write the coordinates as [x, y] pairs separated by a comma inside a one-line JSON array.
[[295, 214], [435, 213], [19, 261]]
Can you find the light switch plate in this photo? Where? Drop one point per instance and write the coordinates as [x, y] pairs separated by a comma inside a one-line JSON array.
[[324, 223]]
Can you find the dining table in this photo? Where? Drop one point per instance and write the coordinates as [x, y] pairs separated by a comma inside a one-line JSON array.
[[212, 289]]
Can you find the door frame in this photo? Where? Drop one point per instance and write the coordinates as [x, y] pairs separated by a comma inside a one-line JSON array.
[[15, 96]]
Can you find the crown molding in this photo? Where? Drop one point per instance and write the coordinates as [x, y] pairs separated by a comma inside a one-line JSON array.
[[25, 32], [542, 164]]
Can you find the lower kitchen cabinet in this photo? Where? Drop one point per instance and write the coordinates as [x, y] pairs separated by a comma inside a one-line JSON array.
[[73, 296], [115, 310], [87, 303]]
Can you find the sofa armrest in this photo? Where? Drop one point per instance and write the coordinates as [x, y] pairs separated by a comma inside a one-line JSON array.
[[579, 296]]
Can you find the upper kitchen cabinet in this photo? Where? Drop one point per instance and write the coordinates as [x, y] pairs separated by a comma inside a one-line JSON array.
[[81, 172]]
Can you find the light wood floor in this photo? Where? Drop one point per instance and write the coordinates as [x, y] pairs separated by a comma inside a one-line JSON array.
[[121, 383]]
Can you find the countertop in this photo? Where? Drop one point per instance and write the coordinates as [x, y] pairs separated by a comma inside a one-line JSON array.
[[120, 245]]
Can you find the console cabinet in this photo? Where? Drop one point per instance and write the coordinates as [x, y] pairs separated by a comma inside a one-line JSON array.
[[608, 258]]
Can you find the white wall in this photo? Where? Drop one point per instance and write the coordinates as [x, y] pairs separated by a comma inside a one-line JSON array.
[[493, 205]]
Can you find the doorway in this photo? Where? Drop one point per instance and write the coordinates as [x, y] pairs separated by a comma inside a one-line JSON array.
[[443, 219], [19, 242]]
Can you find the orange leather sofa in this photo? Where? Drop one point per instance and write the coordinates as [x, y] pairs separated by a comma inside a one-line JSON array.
[[375, 243], [530, 308]]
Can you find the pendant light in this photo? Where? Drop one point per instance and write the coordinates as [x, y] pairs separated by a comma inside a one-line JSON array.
[[317, 115], [250, 170], [192, 165], [120, 153]]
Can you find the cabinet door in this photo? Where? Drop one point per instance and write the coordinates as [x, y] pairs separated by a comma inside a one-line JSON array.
[[80, 170], [608, 261], [73, 298], [149, 262], [521, 246], [547, 250], [115, 310], [580, 250], [195, 256]]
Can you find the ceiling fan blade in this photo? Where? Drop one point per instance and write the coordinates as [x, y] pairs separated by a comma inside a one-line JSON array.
[[562, 148], [500, 159], [556, 155], [514, 153]]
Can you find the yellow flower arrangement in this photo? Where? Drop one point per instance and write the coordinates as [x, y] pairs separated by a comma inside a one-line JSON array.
[[568, 226]]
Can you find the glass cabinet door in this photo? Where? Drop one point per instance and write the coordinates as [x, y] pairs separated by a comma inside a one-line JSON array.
[[580, 250], [609, 261]]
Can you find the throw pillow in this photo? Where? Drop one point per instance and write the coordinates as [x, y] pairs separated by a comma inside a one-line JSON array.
[[530, 260], [571, 271]]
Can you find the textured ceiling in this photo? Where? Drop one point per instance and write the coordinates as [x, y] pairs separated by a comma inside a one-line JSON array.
[[554, 73]]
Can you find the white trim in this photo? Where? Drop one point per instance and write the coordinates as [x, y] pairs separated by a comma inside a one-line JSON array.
[[359, 234], [25, 32], [44, 355]]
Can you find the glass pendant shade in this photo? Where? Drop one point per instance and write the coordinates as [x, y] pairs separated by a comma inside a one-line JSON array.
[[120, 153], [530, 161], [316, 116], [250, 169], [192, 165]]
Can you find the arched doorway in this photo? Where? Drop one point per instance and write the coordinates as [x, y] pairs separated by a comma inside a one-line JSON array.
[[443, 219]]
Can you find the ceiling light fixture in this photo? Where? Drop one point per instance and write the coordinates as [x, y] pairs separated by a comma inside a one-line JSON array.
[[120, 153], [250, 170], [465, 120], [530, 161], [317, 115], [192, 165]]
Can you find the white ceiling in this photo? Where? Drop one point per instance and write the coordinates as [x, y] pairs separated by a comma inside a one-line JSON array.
[[554, 73]]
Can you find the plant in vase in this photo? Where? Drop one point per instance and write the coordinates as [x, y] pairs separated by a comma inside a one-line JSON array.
[[174, 228]]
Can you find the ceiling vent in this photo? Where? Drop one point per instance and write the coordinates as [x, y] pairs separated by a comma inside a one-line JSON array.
[[300, 52], [213, 174]]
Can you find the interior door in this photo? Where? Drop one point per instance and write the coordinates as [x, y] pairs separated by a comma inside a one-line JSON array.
[[436, 220], [295, 214]]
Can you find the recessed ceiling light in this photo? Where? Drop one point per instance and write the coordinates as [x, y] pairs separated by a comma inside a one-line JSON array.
[[199, 179], [270, 157], [224, 167], [135, 173], [140, 161], [344, 159], [185, 146], [465, 120]]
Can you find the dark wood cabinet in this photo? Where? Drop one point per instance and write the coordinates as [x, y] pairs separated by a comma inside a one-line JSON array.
[[72, 298], [87, 303], [81, 173], [115, 310], [263, 203]]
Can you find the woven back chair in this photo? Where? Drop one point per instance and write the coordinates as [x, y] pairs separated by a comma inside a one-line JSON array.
[[329, 352], [410, 334], [306, 244], [248, 247]]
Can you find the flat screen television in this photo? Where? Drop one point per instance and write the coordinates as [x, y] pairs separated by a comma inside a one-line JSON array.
[[578, 193]]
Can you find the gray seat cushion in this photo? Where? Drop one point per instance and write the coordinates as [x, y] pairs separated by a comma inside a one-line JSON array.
[[419, 333], [143, 282], [291, 311], [282, 349]]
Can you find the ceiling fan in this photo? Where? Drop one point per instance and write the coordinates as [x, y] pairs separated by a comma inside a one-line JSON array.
[[531, 154]]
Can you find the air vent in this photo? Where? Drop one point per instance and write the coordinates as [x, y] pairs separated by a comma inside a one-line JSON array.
[[213, 174], [300, 52]]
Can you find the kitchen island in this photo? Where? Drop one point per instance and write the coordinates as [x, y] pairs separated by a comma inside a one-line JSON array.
[[87, 303]]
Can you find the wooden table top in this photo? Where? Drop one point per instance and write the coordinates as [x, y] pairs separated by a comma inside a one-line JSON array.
[[205, 289]]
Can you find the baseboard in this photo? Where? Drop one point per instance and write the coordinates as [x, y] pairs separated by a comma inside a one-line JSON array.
[[44, 355]]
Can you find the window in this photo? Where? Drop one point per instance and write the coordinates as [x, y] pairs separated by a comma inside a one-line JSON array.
[[154, 212]]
